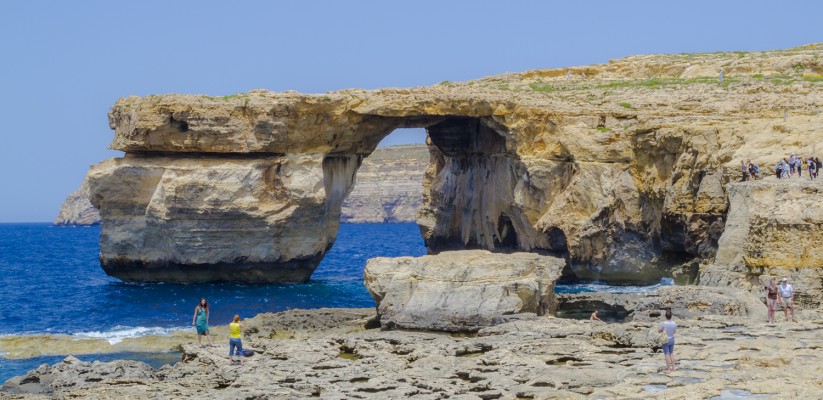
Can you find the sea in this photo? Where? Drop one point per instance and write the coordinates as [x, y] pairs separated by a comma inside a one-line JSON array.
[[52, 284]]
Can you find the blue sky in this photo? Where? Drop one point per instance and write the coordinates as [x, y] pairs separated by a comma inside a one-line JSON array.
[[63, 64]]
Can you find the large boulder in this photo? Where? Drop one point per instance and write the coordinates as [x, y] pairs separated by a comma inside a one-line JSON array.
[[461, 290]]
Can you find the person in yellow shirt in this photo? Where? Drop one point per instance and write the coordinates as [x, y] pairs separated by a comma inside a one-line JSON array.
[[235, 344]]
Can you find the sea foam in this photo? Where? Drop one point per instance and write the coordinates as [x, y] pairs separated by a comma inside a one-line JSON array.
[[119, 333]]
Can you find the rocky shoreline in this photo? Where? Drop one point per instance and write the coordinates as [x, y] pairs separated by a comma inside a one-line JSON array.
[[333, 354]]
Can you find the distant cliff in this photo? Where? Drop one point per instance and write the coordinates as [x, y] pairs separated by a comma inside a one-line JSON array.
[[77, 209], [389, 189], [389, 186]]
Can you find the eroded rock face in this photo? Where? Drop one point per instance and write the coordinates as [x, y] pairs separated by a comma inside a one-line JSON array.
[[774, 230], [389, 188], [624, 176], [461, 290], [219, 219]]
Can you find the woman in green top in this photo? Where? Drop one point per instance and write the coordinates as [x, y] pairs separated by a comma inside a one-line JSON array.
[[200, 320]]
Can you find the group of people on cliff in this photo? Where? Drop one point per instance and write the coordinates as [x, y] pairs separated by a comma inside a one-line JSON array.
[[785, 168], [795, 165], [200, 321]]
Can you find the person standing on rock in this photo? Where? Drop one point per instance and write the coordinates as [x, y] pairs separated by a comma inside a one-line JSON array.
[[668, 349], [200, 321], [786, 298], [235, 343], [745, 169], [785, 170], [771, 299]]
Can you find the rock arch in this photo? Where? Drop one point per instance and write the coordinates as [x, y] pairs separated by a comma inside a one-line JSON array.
[[248, 187]]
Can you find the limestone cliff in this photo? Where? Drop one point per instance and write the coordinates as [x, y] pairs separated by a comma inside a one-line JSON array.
[[388, 189], [774, 230], [77, 209], [389, 186], [624, 172]]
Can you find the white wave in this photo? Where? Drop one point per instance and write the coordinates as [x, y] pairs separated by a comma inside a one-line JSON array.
[[118, 333], [603, 287]]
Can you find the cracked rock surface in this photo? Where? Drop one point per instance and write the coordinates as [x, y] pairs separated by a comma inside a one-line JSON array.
[[329, 353]]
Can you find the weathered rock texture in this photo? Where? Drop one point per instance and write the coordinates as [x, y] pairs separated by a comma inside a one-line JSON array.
[[461, 290], [331, 356], [774, 230], [623, 173], [389, 188], [77, 209], [72, 374]]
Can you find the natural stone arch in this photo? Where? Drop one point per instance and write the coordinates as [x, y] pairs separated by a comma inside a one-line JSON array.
[[253, 182]]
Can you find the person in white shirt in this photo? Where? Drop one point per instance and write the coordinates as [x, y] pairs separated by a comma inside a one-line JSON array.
[[668, 349], [786, 298]]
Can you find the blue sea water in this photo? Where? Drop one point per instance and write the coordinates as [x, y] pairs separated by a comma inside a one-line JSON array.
[[52, 283]]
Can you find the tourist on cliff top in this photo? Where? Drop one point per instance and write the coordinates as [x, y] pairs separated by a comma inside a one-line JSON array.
[[812, 167], [771, 299], [778, 169], [594, 317], [819, 166], [754, 170], [235, 343], [200, 321], [745, 169], [668, 349], [786, 298], [784, 172], [793, 164]]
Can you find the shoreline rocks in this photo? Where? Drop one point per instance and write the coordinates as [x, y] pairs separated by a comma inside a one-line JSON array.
[[330, 353]]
